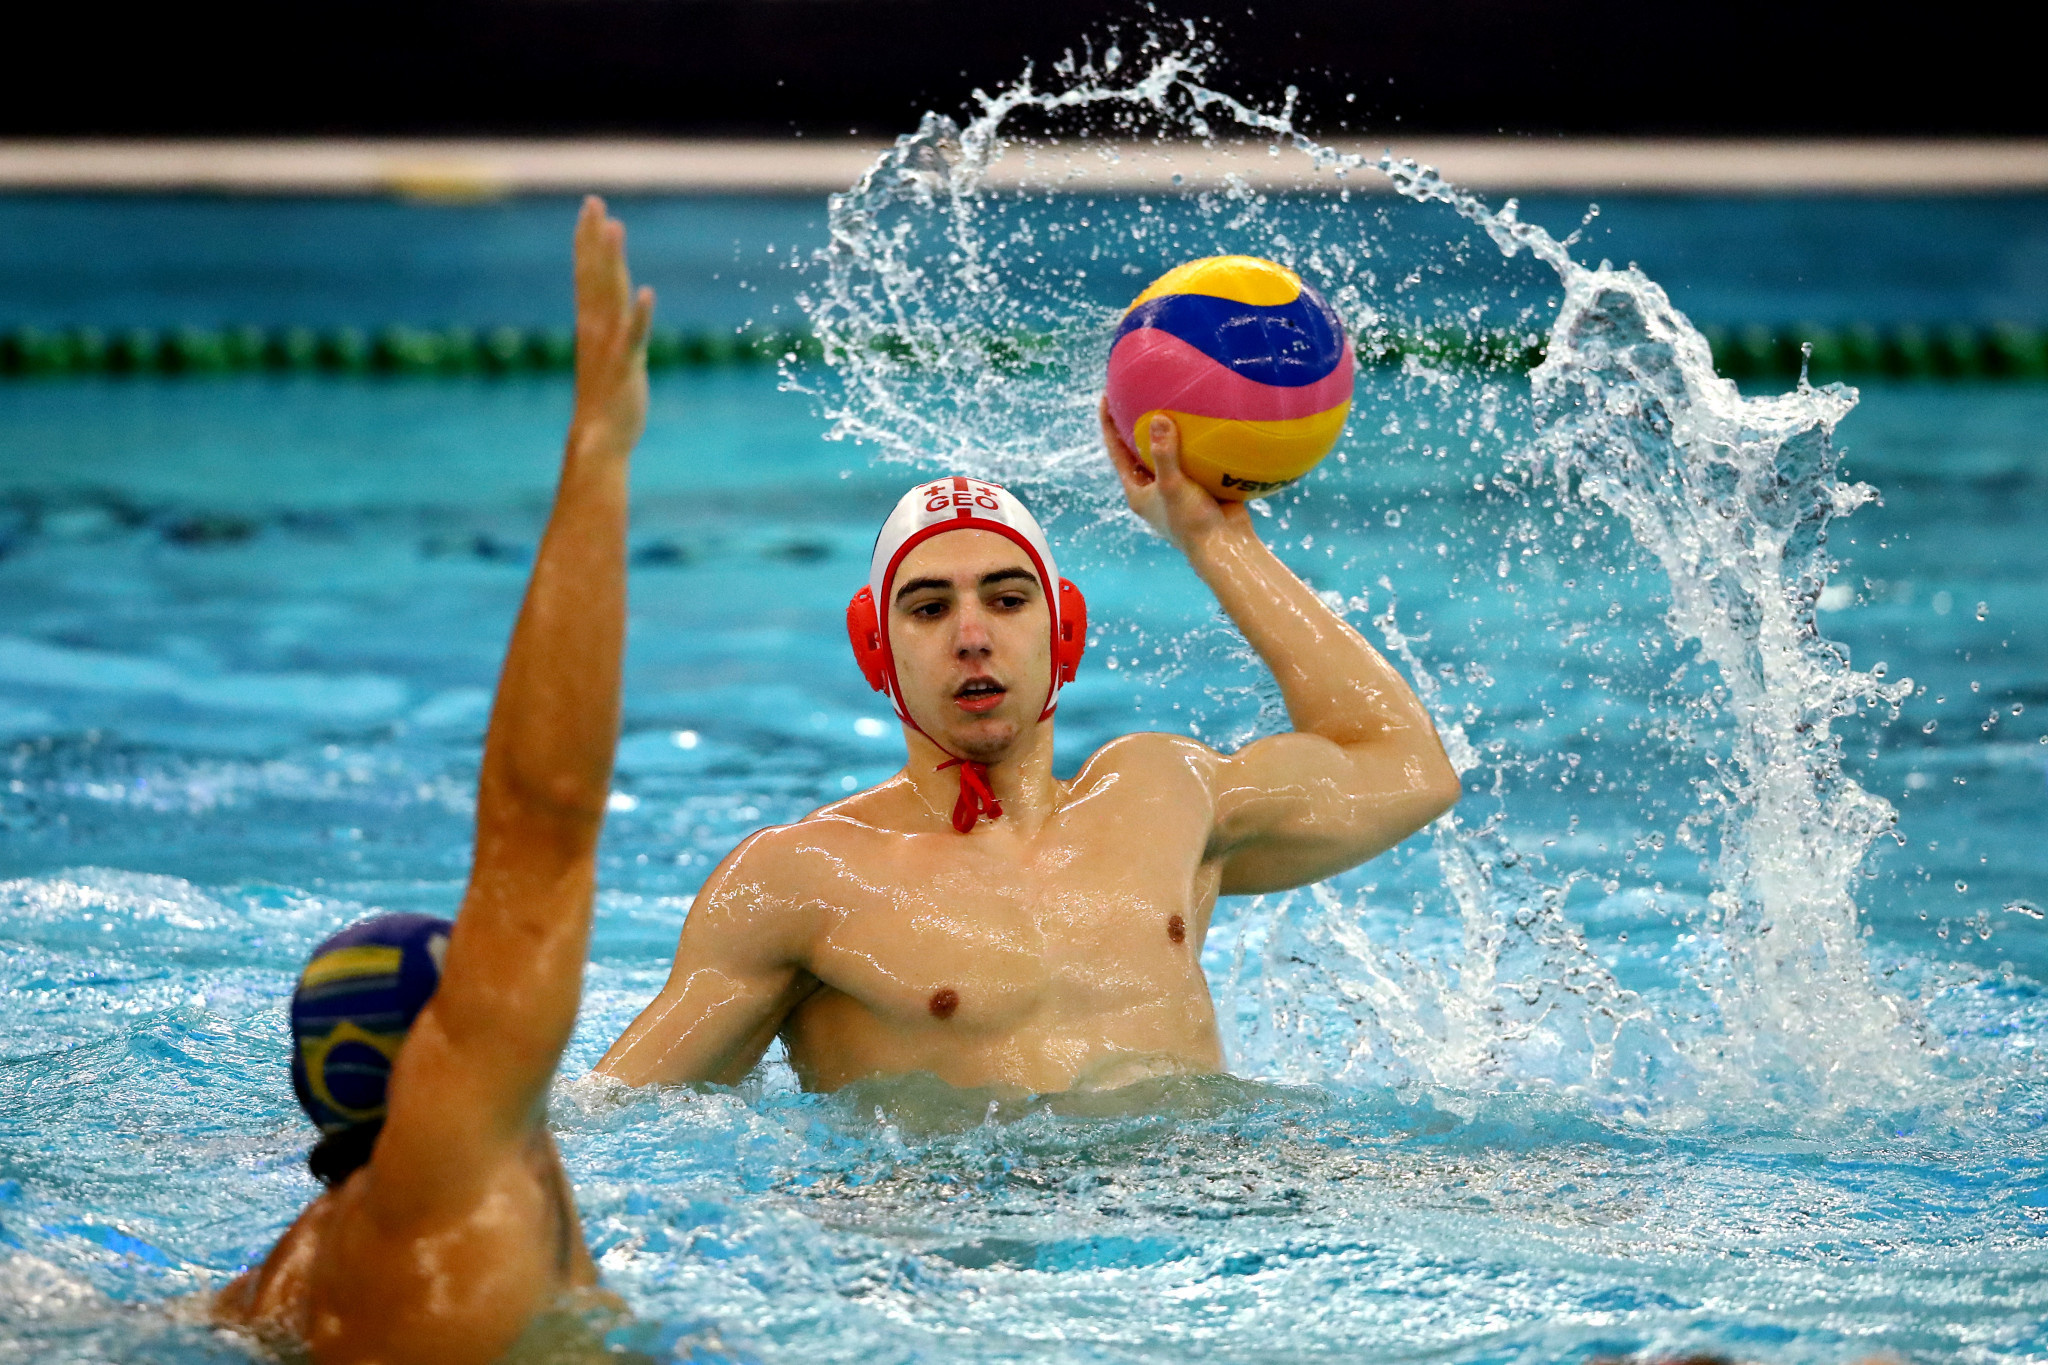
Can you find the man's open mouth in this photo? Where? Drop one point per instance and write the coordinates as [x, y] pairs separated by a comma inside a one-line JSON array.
[[980, 694]]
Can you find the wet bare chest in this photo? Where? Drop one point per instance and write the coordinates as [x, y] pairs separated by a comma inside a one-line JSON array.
[[969, 937]]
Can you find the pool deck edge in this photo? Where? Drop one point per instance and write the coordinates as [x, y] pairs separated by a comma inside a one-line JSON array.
[[458, 170]]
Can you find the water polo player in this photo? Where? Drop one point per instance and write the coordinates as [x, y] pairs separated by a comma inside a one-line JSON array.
[[974, 916], [423, 1050]]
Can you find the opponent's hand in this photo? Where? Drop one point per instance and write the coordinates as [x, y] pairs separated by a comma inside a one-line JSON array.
[[612, 320], [1168, 500]]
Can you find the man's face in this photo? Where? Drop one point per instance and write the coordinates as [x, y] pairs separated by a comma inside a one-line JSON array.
[[972, 636]]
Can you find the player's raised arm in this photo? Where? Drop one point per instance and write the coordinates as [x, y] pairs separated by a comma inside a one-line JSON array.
[[476, 1065], [1364, 767]]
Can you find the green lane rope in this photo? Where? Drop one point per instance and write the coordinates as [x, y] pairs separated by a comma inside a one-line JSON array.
[[1955, 351], [1859, 351], [351, 350]]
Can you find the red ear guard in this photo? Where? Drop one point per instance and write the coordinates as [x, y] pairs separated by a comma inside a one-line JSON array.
[[1073, 639], [864, 629]]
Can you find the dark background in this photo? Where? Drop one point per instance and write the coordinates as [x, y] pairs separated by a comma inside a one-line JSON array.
[[677, 67]]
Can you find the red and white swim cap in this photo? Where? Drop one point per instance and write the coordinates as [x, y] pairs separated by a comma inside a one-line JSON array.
[[958, 503]]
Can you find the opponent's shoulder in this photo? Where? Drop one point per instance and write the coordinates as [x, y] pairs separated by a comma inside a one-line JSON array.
[[272, 1295]]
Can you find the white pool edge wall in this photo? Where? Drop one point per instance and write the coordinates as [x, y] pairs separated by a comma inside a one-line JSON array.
[[482, 169]]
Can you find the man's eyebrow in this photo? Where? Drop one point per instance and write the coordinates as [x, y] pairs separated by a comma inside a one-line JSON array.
[[993, 576]]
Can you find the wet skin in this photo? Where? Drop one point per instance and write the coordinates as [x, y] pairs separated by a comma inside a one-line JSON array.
[[462, 1227], [341, 1282], [1059, 946]]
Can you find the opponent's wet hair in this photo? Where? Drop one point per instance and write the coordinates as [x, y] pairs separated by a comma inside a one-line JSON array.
[[338, 1156], [355, 1002]]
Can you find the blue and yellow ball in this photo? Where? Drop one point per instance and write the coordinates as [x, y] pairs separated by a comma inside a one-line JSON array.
[[1252, 365]]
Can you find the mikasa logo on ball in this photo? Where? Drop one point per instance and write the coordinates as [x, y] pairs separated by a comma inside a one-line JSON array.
[[1254, 485]]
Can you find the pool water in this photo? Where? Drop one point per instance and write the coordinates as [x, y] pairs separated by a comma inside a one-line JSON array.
[[225, 743], [248, 628]]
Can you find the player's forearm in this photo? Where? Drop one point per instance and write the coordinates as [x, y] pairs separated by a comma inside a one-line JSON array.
[[514, 969], [548, 758], [708, 1027], [510, 986], [1334, 683]]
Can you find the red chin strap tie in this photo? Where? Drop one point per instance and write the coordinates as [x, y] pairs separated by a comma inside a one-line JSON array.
[[976, 800]]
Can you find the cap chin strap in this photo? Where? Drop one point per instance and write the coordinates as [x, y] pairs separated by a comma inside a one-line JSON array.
[[976, 799]]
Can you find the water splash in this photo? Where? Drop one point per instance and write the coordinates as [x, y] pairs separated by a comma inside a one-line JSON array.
[[1522, 1001], [963, 319], [1734, 496], [965, 327]]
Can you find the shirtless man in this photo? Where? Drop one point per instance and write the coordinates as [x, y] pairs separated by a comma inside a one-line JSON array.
[[423, 1050], [976, 918]]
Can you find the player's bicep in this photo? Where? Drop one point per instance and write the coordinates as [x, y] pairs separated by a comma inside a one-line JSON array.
[[470, 1082], [1296, 808], [1274, 788], [512, 984], [447, 1127]]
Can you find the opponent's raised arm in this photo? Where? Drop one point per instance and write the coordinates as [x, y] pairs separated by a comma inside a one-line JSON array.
[[478, 1061], [1364, 767]]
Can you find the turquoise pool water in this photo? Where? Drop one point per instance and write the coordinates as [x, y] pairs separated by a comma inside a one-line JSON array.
[[247, 630]]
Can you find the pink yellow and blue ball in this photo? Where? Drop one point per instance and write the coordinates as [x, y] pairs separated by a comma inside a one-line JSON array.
[[1252, 365]]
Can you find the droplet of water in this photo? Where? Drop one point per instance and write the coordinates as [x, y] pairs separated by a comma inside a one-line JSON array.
[[1983, 610], [2027, 908], [1961, 886], [1930, 727]]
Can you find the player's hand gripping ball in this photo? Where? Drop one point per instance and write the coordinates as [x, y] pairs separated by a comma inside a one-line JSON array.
[[1251, 364]]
